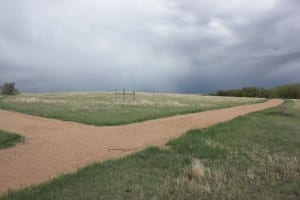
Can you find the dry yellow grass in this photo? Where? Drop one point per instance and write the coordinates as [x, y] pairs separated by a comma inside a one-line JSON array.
[[196, 172]]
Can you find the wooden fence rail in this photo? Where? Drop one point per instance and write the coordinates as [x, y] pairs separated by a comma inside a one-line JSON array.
[[123, 93]]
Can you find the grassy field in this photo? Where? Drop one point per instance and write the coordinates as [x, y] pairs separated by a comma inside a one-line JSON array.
[[104, 109], [9, 139], [251, 157]]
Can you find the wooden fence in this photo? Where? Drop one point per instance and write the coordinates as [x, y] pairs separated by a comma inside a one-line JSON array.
[[123, 93]]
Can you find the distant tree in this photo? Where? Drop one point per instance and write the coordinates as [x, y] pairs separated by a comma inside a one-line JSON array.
[[9, 89], [222, 93], [290, 91]]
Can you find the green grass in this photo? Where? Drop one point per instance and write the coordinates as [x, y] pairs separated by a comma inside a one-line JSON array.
[[251, 157], [9, 139], [104, 109]]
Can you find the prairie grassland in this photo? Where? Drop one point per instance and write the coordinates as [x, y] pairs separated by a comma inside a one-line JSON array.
[[104, 109], [251, 157]]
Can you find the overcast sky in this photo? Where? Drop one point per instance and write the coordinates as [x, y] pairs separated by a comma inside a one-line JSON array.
[[153, 45]]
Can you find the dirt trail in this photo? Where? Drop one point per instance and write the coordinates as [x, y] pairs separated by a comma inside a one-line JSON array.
[[54, 147]]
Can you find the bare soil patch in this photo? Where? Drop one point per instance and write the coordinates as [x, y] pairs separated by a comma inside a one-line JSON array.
[[53, 147]]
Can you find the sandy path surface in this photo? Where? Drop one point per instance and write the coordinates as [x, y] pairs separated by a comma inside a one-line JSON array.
[[53, 147]]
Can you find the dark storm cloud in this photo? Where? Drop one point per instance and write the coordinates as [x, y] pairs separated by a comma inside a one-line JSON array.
[[182, 46]]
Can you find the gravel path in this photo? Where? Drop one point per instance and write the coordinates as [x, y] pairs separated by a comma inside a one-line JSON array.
[[53, 147]]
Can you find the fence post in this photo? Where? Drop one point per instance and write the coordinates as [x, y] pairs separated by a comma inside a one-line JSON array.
[[123, 94]]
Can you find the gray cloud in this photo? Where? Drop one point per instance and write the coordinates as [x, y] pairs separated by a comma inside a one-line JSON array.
[[162, 45]]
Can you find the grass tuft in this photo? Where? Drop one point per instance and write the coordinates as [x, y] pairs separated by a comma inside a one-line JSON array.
[[9, 139], [195, 172]]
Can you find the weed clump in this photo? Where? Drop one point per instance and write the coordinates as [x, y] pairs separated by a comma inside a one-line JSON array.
[[196, 171]]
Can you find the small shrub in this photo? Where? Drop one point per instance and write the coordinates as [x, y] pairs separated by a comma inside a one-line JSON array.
[[9, 89], [196, 171]]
